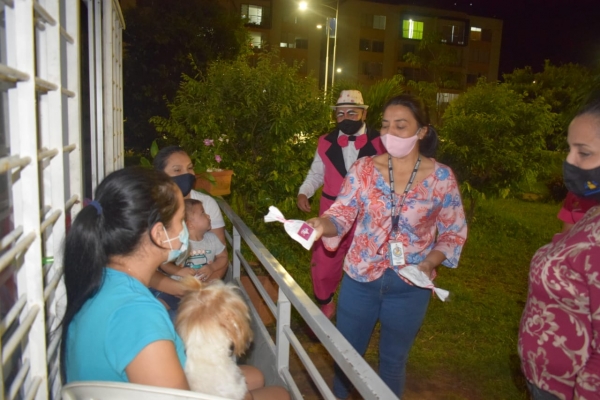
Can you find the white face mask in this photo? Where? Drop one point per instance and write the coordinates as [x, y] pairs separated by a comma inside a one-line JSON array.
[[399, 147], [178, 255]]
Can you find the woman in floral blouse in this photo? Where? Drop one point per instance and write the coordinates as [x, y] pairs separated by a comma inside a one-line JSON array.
[[559, 337], [421, 197]]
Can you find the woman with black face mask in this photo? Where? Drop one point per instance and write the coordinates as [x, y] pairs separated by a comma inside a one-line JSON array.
[[176, 163], [560, 328]]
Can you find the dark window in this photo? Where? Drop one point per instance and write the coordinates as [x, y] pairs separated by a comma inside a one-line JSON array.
[[486, 35], [480, 56], [453, 33], [366, 21], [411, 74], [472, 79], [364, 45], [301, 43], [377, 46], [372, 69]]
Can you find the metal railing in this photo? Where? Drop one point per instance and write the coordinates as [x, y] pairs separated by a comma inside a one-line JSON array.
[[364, 379]]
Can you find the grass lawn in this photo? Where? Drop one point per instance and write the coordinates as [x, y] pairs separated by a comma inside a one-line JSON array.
[[468, 344]]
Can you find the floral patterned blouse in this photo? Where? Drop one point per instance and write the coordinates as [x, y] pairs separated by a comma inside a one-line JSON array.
[[432, 218], [559, 336]]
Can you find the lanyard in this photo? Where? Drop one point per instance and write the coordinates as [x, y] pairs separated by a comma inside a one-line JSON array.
[[396, 218]]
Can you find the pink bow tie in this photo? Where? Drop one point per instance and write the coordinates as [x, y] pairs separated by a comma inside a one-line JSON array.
[[359, 141]]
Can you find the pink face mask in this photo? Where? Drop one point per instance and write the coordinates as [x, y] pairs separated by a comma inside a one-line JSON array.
[[399, 147]]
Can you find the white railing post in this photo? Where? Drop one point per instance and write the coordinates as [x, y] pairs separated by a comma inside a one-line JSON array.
[[282, 343], [21, 55], [237, 246]]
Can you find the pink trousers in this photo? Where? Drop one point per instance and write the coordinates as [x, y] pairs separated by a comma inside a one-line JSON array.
[[327, 266]]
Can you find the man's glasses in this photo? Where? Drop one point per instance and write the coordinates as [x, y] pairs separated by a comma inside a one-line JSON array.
[[349, 114]]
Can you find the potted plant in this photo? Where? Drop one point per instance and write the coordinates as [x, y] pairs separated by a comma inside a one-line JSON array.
[[211, 177]]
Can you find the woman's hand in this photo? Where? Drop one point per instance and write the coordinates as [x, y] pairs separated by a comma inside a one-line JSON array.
[[318, 226], [428, 268]]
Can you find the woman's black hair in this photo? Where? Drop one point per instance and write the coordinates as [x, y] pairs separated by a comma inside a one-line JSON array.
[[128, 203], [427, 145], [591, 106], [161, 158]]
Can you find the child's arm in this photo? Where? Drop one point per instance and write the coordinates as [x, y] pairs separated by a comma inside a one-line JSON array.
[[215, 269], [172, 269]]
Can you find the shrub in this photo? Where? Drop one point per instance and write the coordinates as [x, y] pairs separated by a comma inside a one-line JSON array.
[[271, 116]]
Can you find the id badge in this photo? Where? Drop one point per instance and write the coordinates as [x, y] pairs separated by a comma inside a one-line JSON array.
[[396, 253]]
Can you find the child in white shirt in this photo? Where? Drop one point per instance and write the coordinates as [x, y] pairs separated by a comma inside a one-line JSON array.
[[207, 255]]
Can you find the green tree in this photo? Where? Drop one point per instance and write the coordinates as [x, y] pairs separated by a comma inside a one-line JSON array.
[[494, 139], [438, 64], [161, 39], [271, 118], [563, 87]]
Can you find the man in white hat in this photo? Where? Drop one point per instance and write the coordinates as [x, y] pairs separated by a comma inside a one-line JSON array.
[[336, 152]]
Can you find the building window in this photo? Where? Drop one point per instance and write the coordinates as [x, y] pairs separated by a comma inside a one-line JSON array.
[[486, 35], [366, 21], [372, 69], [252, 13], [410, 74], [453, 33], [472, 79], [475, 33], [293, 42], [377, 46], [479, 56], [255, 40], [373, 21], [408, 48], [379, 22], [301, 43], [412, 29], [364, 45]]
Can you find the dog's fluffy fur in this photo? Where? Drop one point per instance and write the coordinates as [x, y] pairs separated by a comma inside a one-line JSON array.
[[214, 322]]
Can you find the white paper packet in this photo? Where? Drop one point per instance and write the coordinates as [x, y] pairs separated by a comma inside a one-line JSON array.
[[419, 278], [298, 230]]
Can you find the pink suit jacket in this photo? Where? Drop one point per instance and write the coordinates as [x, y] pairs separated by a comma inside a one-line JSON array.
[[335, 170]]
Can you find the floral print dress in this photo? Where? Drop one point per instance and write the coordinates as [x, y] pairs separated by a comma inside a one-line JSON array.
[[559, 336], [432, 218]]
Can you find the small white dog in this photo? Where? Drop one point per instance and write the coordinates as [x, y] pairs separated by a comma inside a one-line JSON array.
[[214, 323]]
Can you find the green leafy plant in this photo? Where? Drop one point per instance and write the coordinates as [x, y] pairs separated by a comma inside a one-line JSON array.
[[271, 116], [494, 139]]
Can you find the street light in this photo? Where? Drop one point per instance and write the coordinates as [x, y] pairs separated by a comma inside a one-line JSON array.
[[303, 5]]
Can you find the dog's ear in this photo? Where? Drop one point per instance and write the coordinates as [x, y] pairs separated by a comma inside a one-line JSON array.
[[236, 318]]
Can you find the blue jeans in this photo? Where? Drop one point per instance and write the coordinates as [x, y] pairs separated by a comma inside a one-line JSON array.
[[398, 306], [539, 394]]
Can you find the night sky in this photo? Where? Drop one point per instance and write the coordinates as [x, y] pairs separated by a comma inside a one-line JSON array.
[[562, 31]]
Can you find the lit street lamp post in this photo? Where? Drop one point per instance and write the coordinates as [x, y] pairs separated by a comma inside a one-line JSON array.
[[303, 6]]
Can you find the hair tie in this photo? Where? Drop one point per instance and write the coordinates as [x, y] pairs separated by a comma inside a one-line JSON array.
[[97, 206]]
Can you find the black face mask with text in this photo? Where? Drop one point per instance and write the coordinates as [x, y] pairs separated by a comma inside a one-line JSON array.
[[349, 127], [185, 182], [582, 182]]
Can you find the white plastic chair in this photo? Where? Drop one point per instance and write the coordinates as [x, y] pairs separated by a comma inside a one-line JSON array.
[[97, 390]]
